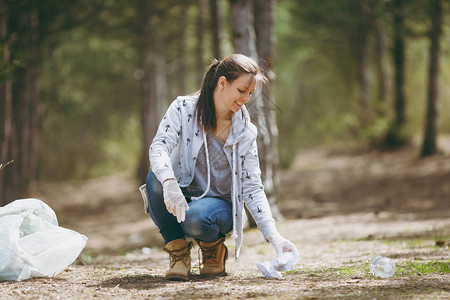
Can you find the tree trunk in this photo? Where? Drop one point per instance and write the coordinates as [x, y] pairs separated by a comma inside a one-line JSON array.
[[5, 101], [153, 83], [395, 136], [200, 43], [372, 23], [215, 28], [399, 59], [260, 108], [382, 69], [268, 137], [30, 146], [369, 23], [181, 57], [243, 35], [364, 74], [431, 129], [21, 102]]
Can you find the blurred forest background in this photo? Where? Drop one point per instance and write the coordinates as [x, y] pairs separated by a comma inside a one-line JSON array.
[[83, 83]]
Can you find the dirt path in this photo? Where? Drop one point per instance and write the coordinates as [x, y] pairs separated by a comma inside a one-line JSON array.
[[342, 209]]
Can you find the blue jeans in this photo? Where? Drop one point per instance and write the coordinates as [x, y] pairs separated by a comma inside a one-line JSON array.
[[207, 219]]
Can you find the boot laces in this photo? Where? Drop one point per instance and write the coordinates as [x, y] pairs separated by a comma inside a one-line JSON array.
[[178, 255], [209, 252]]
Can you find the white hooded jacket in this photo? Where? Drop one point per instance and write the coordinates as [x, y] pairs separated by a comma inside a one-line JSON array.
[[174, 150]]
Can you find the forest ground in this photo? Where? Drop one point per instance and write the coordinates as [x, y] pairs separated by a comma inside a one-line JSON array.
[[342, 208]]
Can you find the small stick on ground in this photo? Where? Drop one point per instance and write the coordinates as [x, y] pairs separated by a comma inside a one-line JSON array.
[[4, 165]]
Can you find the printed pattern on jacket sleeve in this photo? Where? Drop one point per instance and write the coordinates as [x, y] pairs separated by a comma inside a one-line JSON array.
[[253, 191], [166, 138]]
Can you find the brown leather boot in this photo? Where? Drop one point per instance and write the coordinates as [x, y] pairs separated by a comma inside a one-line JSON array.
[[180, 259], [214, 256]]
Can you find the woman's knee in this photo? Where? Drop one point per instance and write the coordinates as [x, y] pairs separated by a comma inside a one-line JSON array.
[[206, 224], [195, 223]]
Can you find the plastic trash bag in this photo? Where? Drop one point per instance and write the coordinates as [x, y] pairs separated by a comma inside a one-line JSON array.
[[31, 242], [285, 262]]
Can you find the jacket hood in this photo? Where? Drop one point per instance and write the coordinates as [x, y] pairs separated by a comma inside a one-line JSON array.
[[240, 127]]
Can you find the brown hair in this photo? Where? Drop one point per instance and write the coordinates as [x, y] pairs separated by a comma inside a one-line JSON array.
[[231, 67]]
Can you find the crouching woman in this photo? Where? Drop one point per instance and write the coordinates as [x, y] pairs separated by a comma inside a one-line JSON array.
[[204, 168]]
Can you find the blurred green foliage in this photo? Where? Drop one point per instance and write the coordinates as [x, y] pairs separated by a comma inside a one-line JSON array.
[[90, 104], [317, 73], [90, 101]]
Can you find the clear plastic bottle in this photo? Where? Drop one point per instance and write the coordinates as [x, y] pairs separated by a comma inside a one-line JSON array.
[[382, 267]]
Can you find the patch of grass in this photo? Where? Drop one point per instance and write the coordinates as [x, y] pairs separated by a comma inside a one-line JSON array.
[[416, 243], [414, 268], [353, 271], [389, 242], [408, 268], [411, 243]]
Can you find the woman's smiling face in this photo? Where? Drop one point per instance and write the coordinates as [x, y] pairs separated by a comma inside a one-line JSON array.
[[236, 93]]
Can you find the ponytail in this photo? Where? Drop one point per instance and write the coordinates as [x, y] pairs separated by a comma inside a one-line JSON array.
[[205, 111]]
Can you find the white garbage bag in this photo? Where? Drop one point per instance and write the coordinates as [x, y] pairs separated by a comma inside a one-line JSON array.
[[31, 242]]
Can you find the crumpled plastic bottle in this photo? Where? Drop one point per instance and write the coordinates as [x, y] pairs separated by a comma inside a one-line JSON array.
[[382, 267], [285, 262]]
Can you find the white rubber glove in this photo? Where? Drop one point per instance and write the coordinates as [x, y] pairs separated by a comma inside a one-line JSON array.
[[287, 257], [174, 200], [282, 245]]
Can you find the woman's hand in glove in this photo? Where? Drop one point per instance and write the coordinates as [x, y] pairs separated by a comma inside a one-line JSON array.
[[174, 199], [287, 257], [282, 245]]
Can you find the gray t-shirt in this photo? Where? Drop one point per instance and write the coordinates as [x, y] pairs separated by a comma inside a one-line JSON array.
[[220, 186]]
